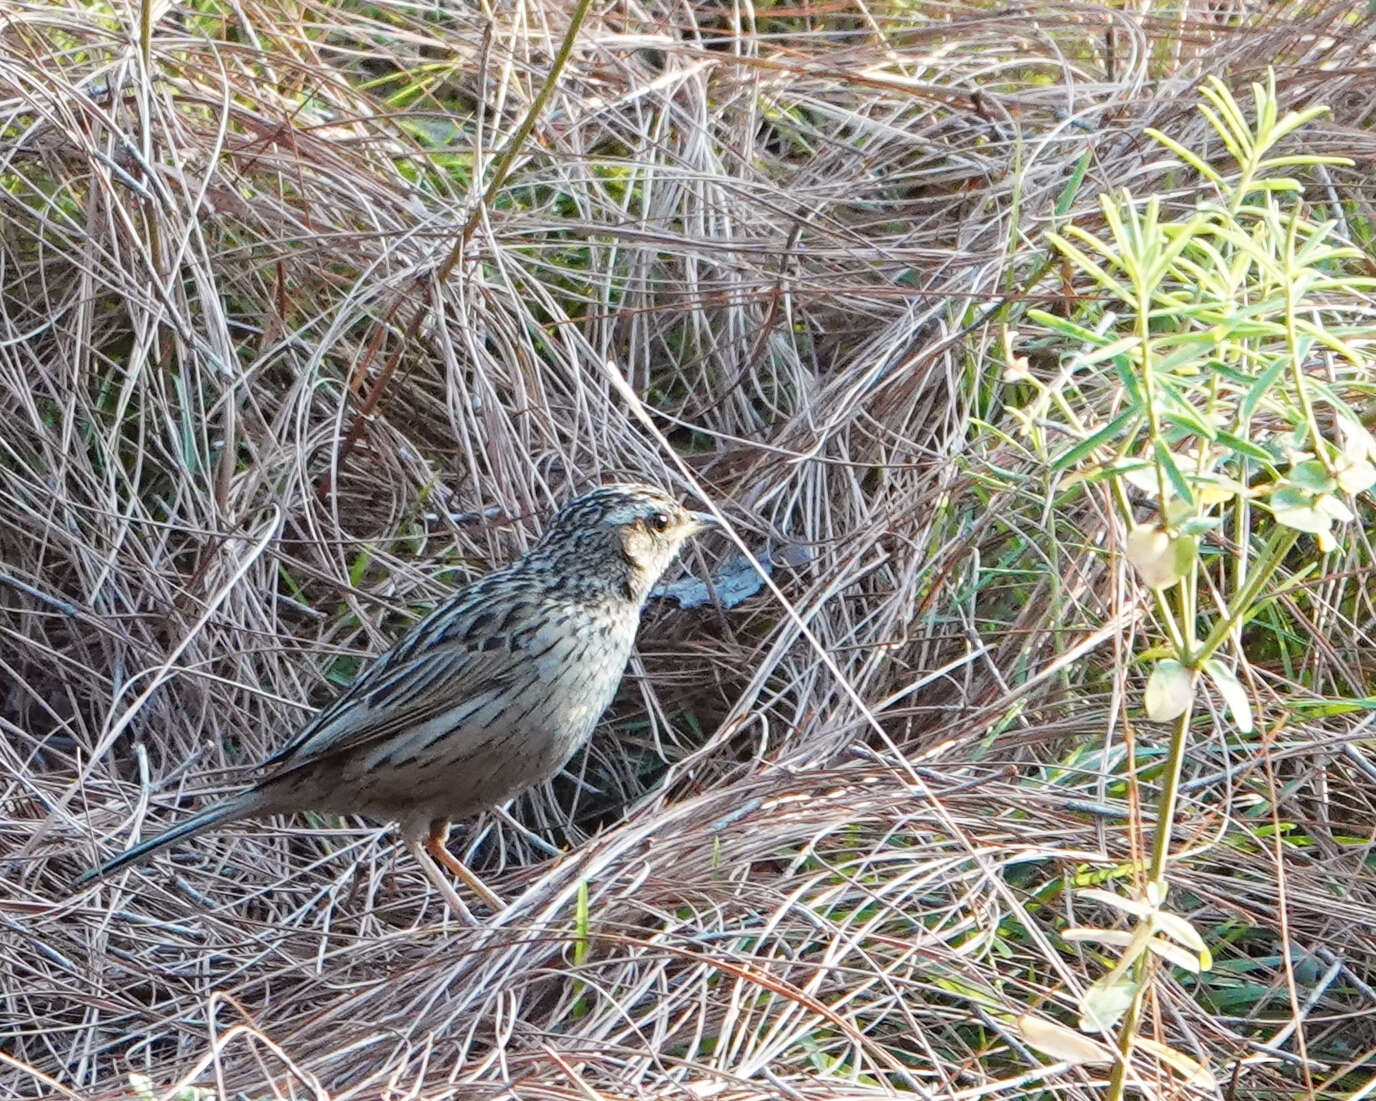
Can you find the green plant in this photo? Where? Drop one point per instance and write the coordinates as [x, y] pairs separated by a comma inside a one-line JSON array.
[[1224, 334]]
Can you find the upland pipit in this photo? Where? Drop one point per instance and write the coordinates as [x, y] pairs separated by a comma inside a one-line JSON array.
[[488, 695]]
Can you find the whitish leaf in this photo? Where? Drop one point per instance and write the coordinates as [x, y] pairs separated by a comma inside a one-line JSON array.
[[1355, 475], [1160, 560], [1358, 443], [1180, 930], [1104, 1003], [1140, 475], [1194, 1072], [1018, 370], [1234, 695], [1331, 506], [1170, 691], [1060, 1042], [1114, 938], [1296, 509], [1117, 902], [1311, 476], [1173, 953], [144, 1090], [1217, 489]]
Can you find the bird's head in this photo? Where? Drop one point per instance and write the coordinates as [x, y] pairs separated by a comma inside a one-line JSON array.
[[624, 535]]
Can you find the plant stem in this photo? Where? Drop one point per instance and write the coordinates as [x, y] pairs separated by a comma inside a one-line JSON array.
[[1156, 873], [1282, 539], [1279, 546]]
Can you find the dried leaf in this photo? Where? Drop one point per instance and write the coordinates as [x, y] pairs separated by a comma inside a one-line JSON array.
[[1060, 1042], [1135, 907], [1179, 930], [1173, 953], [1194, 1072], [1114, 938]]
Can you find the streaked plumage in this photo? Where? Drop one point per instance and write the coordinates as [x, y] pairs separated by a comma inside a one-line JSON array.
[[488, 695]]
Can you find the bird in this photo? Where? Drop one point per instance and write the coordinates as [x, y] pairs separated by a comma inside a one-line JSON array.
[[487, 696]]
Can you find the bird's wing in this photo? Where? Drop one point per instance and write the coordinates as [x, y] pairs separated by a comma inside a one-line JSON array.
[[442, 661]]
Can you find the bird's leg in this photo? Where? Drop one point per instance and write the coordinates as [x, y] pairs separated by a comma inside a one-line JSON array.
[[436, 877], [434, 845]]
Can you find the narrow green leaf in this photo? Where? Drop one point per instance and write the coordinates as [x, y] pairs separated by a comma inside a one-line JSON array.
[[1111, 431], [1090, 267], [1072, 185], [1177, 479], [1188, 156], [1260, 388], [1118, 347], [1239, 446], [1068, 328]]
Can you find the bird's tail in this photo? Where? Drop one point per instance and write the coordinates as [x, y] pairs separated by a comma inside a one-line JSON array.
[[227, 810]]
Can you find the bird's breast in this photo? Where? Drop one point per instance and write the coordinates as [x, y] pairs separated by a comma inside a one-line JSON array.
[[580, 655], [573, 664]]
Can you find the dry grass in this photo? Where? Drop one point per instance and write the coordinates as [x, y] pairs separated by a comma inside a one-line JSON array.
[[252, 423]]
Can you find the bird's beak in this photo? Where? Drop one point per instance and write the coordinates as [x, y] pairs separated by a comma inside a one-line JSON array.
[[702, 521]]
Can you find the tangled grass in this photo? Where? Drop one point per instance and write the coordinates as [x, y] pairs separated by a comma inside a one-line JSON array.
[[279, 366]]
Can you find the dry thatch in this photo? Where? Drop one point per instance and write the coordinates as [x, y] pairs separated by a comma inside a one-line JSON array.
[[273, 375]]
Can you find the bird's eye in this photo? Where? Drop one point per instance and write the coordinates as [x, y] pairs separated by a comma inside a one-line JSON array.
[[660, 521]]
